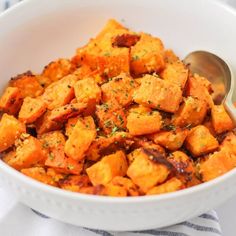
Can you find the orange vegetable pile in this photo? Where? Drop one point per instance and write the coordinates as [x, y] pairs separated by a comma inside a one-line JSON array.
[[123, 117]]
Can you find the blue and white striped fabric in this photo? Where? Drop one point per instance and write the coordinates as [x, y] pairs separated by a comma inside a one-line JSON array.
[[17, 219]]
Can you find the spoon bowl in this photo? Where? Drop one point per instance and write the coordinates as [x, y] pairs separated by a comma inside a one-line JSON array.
[[218, 72]]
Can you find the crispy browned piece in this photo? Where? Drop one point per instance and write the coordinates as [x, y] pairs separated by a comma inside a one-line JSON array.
[[31, 109], [28, 84], [170, 56], [200, 141], [10, 130], [142, 120], [111, 117], [125, 40], [120, 88], [56, 70], [148, 169], [11, 100], [191, 113], [158, 94], [220, 119], [107, 168], [147, 55], [80, 138]]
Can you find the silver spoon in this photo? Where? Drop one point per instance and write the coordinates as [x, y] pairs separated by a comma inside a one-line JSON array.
[[218, 72]]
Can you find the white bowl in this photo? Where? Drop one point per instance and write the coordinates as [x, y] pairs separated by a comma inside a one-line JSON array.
[[36, 32]]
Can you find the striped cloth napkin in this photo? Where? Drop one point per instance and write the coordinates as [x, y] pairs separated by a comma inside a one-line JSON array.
[[18, 219]]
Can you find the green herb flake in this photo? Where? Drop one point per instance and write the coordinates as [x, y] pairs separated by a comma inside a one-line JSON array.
[[123, 135], [51, 156], [108, 123], [135, 58], [107, 54], [70, 167]]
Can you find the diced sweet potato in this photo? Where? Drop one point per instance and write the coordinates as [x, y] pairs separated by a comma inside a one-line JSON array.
[[171, 140], [200, 141], [159, 94], [105, 170], [39, 174], [170, 185], [209, 125], [9, 156], [120, 88], [230, 142], [11, 100], [80, 139], [87, 91], [107, 145], [60, 92], [184, 166], [27, 84], [62, 114], [52, 140], [143, 120], [147, 170], [217, 164], [28, 153], [58, 160], [170, 56], [111, 117], [127, 184], [220, 119], [147, 55], [10, 130], [69, 126], [43, 81], [176, 73], [125, 40], [114, 191], [200, 88], [191, 112], [44, 124], [31, 109], [58, 69], [74, 182]]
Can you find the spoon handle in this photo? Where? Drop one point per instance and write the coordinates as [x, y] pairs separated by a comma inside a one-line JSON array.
[[231, 109]]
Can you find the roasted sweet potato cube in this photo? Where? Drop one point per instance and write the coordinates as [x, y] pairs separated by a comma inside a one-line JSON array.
[[176, 73], [209, 125], [69, 126], [106, 145], [28, 153], [11, 100], [52, 139], [127, 184], [56, 70], [170, 56], [171, 185], [146, 170], [142, 121], [217, 164], [159, 94], [132, 155], [44, 124], [191, 112], [200, 88], [107, 168], [230, 142], [62, 114], [80, 139], [111, 117], [28, 85], [87, 91], [200, 141], [184, 166], [74, 183], [171, 140], [120, 88], [43, 81], [220, 119], [31, 109], [113, 191], [60, 92], [57, 159], [147, 55], [83, 71], [10, 130], [39, 174]]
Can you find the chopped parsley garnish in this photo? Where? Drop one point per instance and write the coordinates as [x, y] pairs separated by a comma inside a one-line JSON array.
[[135, 58]]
